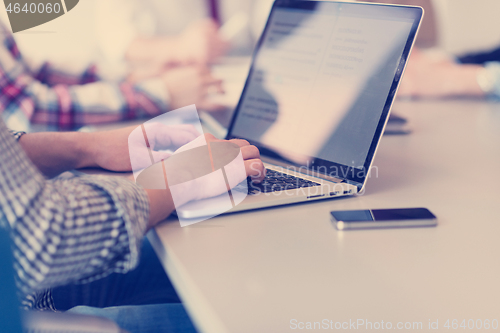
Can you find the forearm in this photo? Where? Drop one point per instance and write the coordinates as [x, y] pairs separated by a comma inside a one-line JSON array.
[[53, 153]]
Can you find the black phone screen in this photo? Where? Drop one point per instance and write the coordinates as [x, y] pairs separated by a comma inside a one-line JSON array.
[[383, 214]]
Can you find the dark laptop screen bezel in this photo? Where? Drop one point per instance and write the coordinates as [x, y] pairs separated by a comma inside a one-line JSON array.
[[353, 175]]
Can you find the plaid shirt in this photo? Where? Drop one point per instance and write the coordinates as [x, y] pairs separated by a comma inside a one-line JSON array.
[[53, 100], [67, 229]]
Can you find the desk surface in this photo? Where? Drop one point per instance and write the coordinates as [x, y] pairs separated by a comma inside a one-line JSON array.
[[258, 271]]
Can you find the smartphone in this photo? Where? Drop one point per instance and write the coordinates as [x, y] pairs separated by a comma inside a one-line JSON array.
[[383, 218]]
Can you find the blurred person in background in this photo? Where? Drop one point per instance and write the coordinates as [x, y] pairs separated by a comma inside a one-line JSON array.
[[61, 87], [136, 40], [165, 33], [51, 99], [113, 33], [472, 75], [457, 51]]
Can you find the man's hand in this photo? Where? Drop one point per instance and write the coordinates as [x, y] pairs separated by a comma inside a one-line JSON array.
[[54, 153], [190, 175], [254, 167]]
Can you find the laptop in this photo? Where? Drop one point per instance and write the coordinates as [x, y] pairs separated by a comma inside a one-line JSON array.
[[322, 81]]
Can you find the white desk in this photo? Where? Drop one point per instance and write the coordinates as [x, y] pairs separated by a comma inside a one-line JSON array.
[[256, 271]]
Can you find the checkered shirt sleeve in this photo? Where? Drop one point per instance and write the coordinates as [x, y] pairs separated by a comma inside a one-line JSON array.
[[67, 229]]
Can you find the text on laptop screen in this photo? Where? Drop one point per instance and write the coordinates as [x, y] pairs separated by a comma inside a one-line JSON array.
[[320, 79]]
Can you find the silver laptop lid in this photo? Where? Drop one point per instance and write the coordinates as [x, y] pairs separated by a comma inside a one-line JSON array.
[[322, 81]]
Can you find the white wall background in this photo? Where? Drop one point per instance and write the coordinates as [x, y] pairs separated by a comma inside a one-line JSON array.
[[70, 41], [468, 25]]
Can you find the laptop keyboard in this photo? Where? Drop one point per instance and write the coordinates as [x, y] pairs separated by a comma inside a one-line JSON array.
[[276, 181]]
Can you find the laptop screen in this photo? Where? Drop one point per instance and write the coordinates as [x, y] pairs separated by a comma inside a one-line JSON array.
[[322, 80]]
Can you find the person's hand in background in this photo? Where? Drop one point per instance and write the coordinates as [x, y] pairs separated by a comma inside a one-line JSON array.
[[198, 44], [201, 43], [192, 85], [185, 85], [434, 76]]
